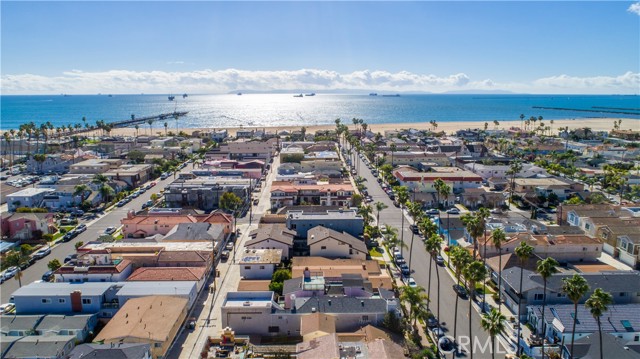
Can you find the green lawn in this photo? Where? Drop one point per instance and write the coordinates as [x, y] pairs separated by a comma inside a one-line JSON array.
[[376, 252]]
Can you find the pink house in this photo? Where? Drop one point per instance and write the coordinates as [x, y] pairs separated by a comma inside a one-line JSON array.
[[26, 226]]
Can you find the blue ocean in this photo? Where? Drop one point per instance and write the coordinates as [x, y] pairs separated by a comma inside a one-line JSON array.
[[258, 110]]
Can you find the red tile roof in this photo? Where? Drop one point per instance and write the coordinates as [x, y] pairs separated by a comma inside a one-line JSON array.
[[151, 274]]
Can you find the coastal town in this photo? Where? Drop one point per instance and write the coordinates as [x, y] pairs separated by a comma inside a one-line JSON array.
[[344, 242]]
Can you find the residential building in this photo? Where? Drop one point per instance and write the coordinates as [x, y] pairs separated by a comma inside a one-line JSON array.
[[272, 236], [324, 194], [95, 166], [32, 346], [474, 198], [26, 226], [28, 197], [153, 320], [79, 325], [64, 196], [588, 347], [111, 351], [165, 220], [245, 150], [421, 182], [623, 285], [204, 192], [133, 175], [325, 242], [195, 232], [621, 321], [333, 270], [407, 158], [170, 274], [52, 163], [562, 188], [348, 221], [94, 266], [497, 170], [259, 263]]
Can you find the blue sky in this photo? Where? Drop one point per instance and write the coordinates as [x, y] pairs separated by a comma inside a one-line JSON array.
[[119, 47]]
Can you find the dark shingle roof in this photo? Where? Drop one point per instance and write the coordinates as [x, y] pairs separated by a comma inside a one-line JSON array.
[[276, 232], [611, 321], [609, 281], [195, 232], [110, 351], [319, 233], [337, 305]]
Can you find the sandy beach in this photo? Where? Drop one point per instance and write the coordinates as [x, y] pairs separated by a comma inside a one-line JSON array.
[[600, 124]]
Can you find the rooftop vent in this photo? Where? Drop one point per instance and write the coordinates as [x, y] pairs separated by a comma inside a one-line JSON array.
[[246, 304]]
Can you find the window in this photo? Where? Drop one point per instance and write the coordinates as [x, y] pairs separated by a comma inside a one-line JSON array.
[[623, 294], [538, 297], [274, 329], [157, 345], [62, 300], [247, 267], [86, 301], [261, 267], [365, 318], [46, 300], [323, 247]]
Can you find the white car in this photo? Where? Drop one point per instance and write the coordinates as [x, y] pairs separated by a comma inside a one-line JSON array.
[[10, 272], [411, 282], [110, 230]]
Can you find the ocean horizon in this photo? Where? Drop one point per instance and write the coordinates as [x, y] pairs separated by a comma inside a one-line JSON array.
[[269, 110]]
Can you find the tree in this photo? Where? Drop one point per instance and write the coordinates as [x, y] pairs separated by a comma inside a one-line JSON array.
[[150, 122], [498, 237], [415, 211], [136, 156], [474, 272], [414, 296], [277, 280], [597, 305], [78, 244], [402, 196], [393, 149], [433, 245], [365, 211], [106, 192], [524, 251], [81, 190], [575, 288], [54, 264], [16, 259], [40, 158], [380, 206], [99, 178], [546, 268], [460, 258], [493, 323], [166, 124], [230, 201], [514, 168]]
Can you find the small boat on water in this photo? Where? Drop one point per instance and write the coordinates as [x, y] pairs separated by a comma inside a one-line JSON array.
[[373, 94], [300, 95], [239, 93], [185, 95], [110, 95], [310, 94], [396, 95], [171, 97]]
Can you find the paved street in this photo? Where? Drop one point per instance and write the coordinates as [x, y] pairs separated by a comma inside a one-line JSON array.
[[420, 265], [95, 228]]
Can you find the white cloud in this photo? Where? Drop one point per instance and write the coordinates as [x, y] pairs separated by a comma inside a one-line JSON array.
[[222, 81], [634, 8]]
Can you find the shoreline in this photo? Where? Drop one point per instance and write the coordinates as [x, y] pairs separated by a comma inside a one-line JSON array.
[[599, 124], [596, 124]]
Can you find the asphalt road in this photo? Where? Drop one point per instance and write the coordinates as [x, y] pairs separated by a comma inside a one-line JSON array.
[[95, 228], [420, 266]]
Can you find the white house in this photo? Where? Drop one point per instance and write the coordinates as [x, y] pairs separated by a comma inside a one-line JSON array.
[[259, 263], [272, 236], [325, 242], [29, 197], [500, 171]]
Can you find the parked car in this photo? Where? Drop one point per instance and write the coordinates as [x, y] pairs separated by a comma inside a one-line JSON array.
[[10, 272], [164, 176], [229, 246], [432, 211], [411, 282], [460, 290], [70, 257], [147, 204], [68, 221], [414, 229], [81, 228], [439, 260], [453, 211], [110, 230], [432, 322], [27, 263], [47, 276], [42, 253], [224, 254]]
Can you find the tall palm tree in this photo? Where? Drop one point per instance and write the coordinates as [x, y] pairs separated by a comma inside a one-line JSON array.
[[514, 168], [365, 211], [81, 190], [597, 304], [415, 211], [546, 268], [428, 228], [460, 258], [493, 323], [473, 273], [414, 296], [521, 120], [379, 207], [393, 149], [7, 140], [150, 122], [433, 245], [575, 288], [99, 178], [106, 192], [402, 195], [166, 124], [498, 237], [524, 251]]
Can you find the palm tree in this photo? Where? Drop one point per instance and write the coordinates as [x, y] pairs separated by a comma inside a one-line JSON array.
[[460, 258], [137, 128], [393, 149], [166, 124], [474, 272], [514, 168], [575, 288], [521, 120], [106, 192], [414, 296], [99, 178], [597, 304], [546, 268], [80, 190], [379, 207], [523, 252], [493, 323], [498, 237], [415, 211], [7, 140], [150, 122], [433, 245], [402, 195], [365, 211]]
